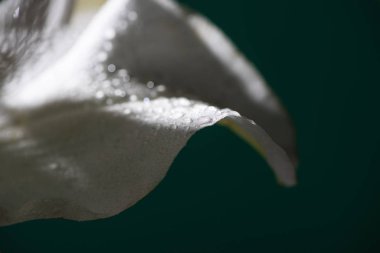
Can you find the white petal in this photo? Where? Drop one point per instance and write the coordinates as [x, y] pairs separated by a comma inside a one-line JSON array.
[[83, 141], [94, 162]]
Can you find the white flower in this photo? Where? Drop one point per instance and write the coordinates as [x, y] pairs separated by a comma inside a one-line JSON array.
[[90, 125]]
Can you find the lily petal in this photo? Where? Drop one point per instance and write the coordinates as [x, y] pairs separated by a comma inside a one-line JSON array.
[[86, 139]]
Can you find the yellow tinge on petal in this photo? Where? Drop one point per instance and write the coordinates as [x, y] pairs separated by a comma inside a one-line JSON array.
[[83, 5], [239, 131]]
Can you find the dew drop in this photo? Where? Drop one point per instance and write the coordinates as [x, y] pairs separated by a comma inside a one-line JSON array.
[[133, 98], [119, 93], [212, 109], [204, 120], [183, 102], [111, 68], [99, 68], [158, 110], [161, 88], [146, 100], [116, 82], [122, 72], [223, 112], [16, 13], [53, 166], [127, 111], [99, 95], [150, 84]]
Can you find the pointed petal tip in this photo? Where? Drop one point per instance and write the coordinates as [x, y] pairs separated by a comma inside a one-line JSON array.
[[283, 161], [289, 180]]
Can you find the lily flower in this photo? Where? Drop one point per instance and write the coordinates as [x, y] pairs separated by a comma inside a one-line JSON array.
[[90, 121]]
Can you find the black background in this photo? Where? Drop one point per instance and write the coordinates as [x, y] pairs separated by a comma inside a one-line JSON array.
[[322, 58]]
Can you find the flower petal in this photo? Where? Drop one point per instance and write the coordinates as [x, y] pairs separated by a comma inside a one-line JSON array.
[[94, 162], [156, 40], [84, 140]]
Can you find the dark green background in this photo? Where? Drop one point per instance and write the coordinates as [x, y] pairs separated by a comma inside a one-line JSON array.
[[322, 58]]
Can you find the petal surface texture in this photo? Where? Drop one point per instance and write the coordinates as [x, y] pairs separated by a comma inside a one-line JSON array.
[[98, 130]]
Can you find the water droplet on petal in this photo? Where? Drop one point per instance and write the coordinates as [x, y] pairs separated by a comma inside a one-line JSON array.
[[153, 94], [53, 166], [183, 102], [99, 95], [123, 74], [212, 109], [158, 110], [150, 84], [161, 88], [111, 68], [204, 120], [102, 77], [133, 98], [173, 126], [16, 13], [106, 84], [99, 68]]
